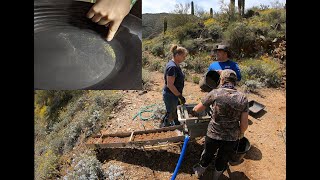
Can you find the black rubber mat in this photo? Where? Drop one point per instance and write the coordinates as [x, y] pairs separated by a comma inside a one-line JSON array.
[[70, 51]]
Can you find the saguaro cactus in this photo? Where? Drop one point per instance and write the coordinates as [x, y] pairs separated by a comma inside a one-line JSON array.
[[232, 6], [192, 8], [241, 7], [211, 12], [165, 23]]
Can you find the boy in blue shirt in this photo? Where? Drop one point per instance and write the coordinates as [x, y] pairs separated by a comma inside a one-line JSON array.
[[223, 61]]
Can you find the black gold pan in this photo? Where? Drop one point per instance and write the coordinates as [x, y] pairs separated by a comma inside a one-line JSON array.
[[71, 52]]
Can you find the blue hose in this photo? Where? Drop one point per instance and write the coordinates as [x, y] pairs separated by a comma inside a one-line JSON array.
[[186, 139]]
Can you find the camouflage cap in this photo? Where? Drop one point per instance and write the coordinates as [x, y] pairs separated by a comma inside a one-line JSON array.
[[228, 75]]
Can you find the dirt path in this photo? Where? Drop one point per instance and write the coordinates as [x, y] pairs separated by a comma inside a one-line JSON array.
[[265, 160]]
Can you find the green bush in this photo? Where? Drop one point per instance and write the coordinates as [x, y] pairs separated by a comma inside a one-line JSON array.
[[258, 25], [198, 63], [46, 165], [157, 49], [55, 101], [80, 116], [156, 65], [190, 45], [215, 32], [265, 71], [275, 34], [146, 80], [186, 31], [241, 39], [195, 79], [273, 16], [178, 20], [187, 75], [144, 60], [251, 86]]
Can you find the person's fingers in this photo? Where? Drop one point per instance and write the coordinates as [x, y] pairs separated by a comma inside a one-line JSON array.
[[103, 21], [96, 18], [90, 14], [114, 26]]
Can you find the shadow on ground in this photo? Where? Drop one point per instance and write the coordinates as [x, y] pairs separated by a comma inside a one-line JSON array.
[[258, 115], [162, 160], [254, 154], [157, 160]]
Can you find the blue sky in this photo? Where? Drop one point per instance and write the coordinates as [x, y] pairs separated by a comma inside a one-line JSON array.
[[158, 6]]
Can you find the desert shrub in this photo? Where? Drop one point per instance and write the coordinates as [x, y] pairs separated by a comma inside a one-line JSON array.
[[144, 59], [54, 101], [190, 45], [85, 166], [215, 32], [146, 80], [265, 71], [157, 49], [71, 135], [178, 20], [241, 39], [187, 31], [156, 65], [66, 133], [272, 34], [258, 25], [195, 79], [210, 22], [187, 75], [273, 15], [251, 85], [114, 172], [46, 165], [109, 99], [198, 63]]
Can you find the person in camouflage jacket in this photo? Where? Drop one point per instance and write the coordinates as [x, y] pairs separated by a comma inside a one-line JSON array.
[[229, 121]]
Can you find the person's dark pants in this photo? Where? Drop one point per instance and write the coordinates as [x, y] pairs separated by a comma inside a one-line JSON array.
[[171, 102], [210, 148]]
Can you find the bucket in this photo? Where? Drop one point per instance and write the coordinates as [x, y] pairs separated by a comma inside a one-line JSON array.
[[244, 147], [209, 81]]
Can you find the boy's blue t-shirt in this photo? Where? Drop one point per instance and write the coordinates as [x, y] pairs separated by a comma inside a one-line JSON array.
[[174, 70], [226, 65]]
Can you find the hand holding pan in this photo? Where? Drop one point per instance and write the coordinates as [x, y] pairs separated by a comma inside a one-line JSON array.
[[109, 12]]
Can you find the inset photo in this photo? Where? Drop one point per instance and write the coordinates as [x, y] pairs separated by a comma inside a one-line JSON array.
[[90, 45]]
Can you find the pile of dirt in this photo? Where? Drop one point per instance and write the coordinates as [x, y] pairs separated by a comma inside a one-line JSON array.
[[115, 139], [108, 140], [152, 136]]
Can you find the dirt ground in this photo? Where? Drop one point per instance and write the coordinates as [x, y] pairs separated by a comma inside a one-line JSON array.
[[265, 160]]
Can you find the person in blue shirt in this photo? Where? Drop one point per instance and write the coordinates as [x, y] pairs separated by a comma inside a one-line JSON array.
[[223, 61], [174, 84]]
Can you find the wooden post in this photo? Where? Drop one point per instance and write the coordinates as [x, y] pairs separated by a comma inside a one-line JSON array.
[[131, 136]]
